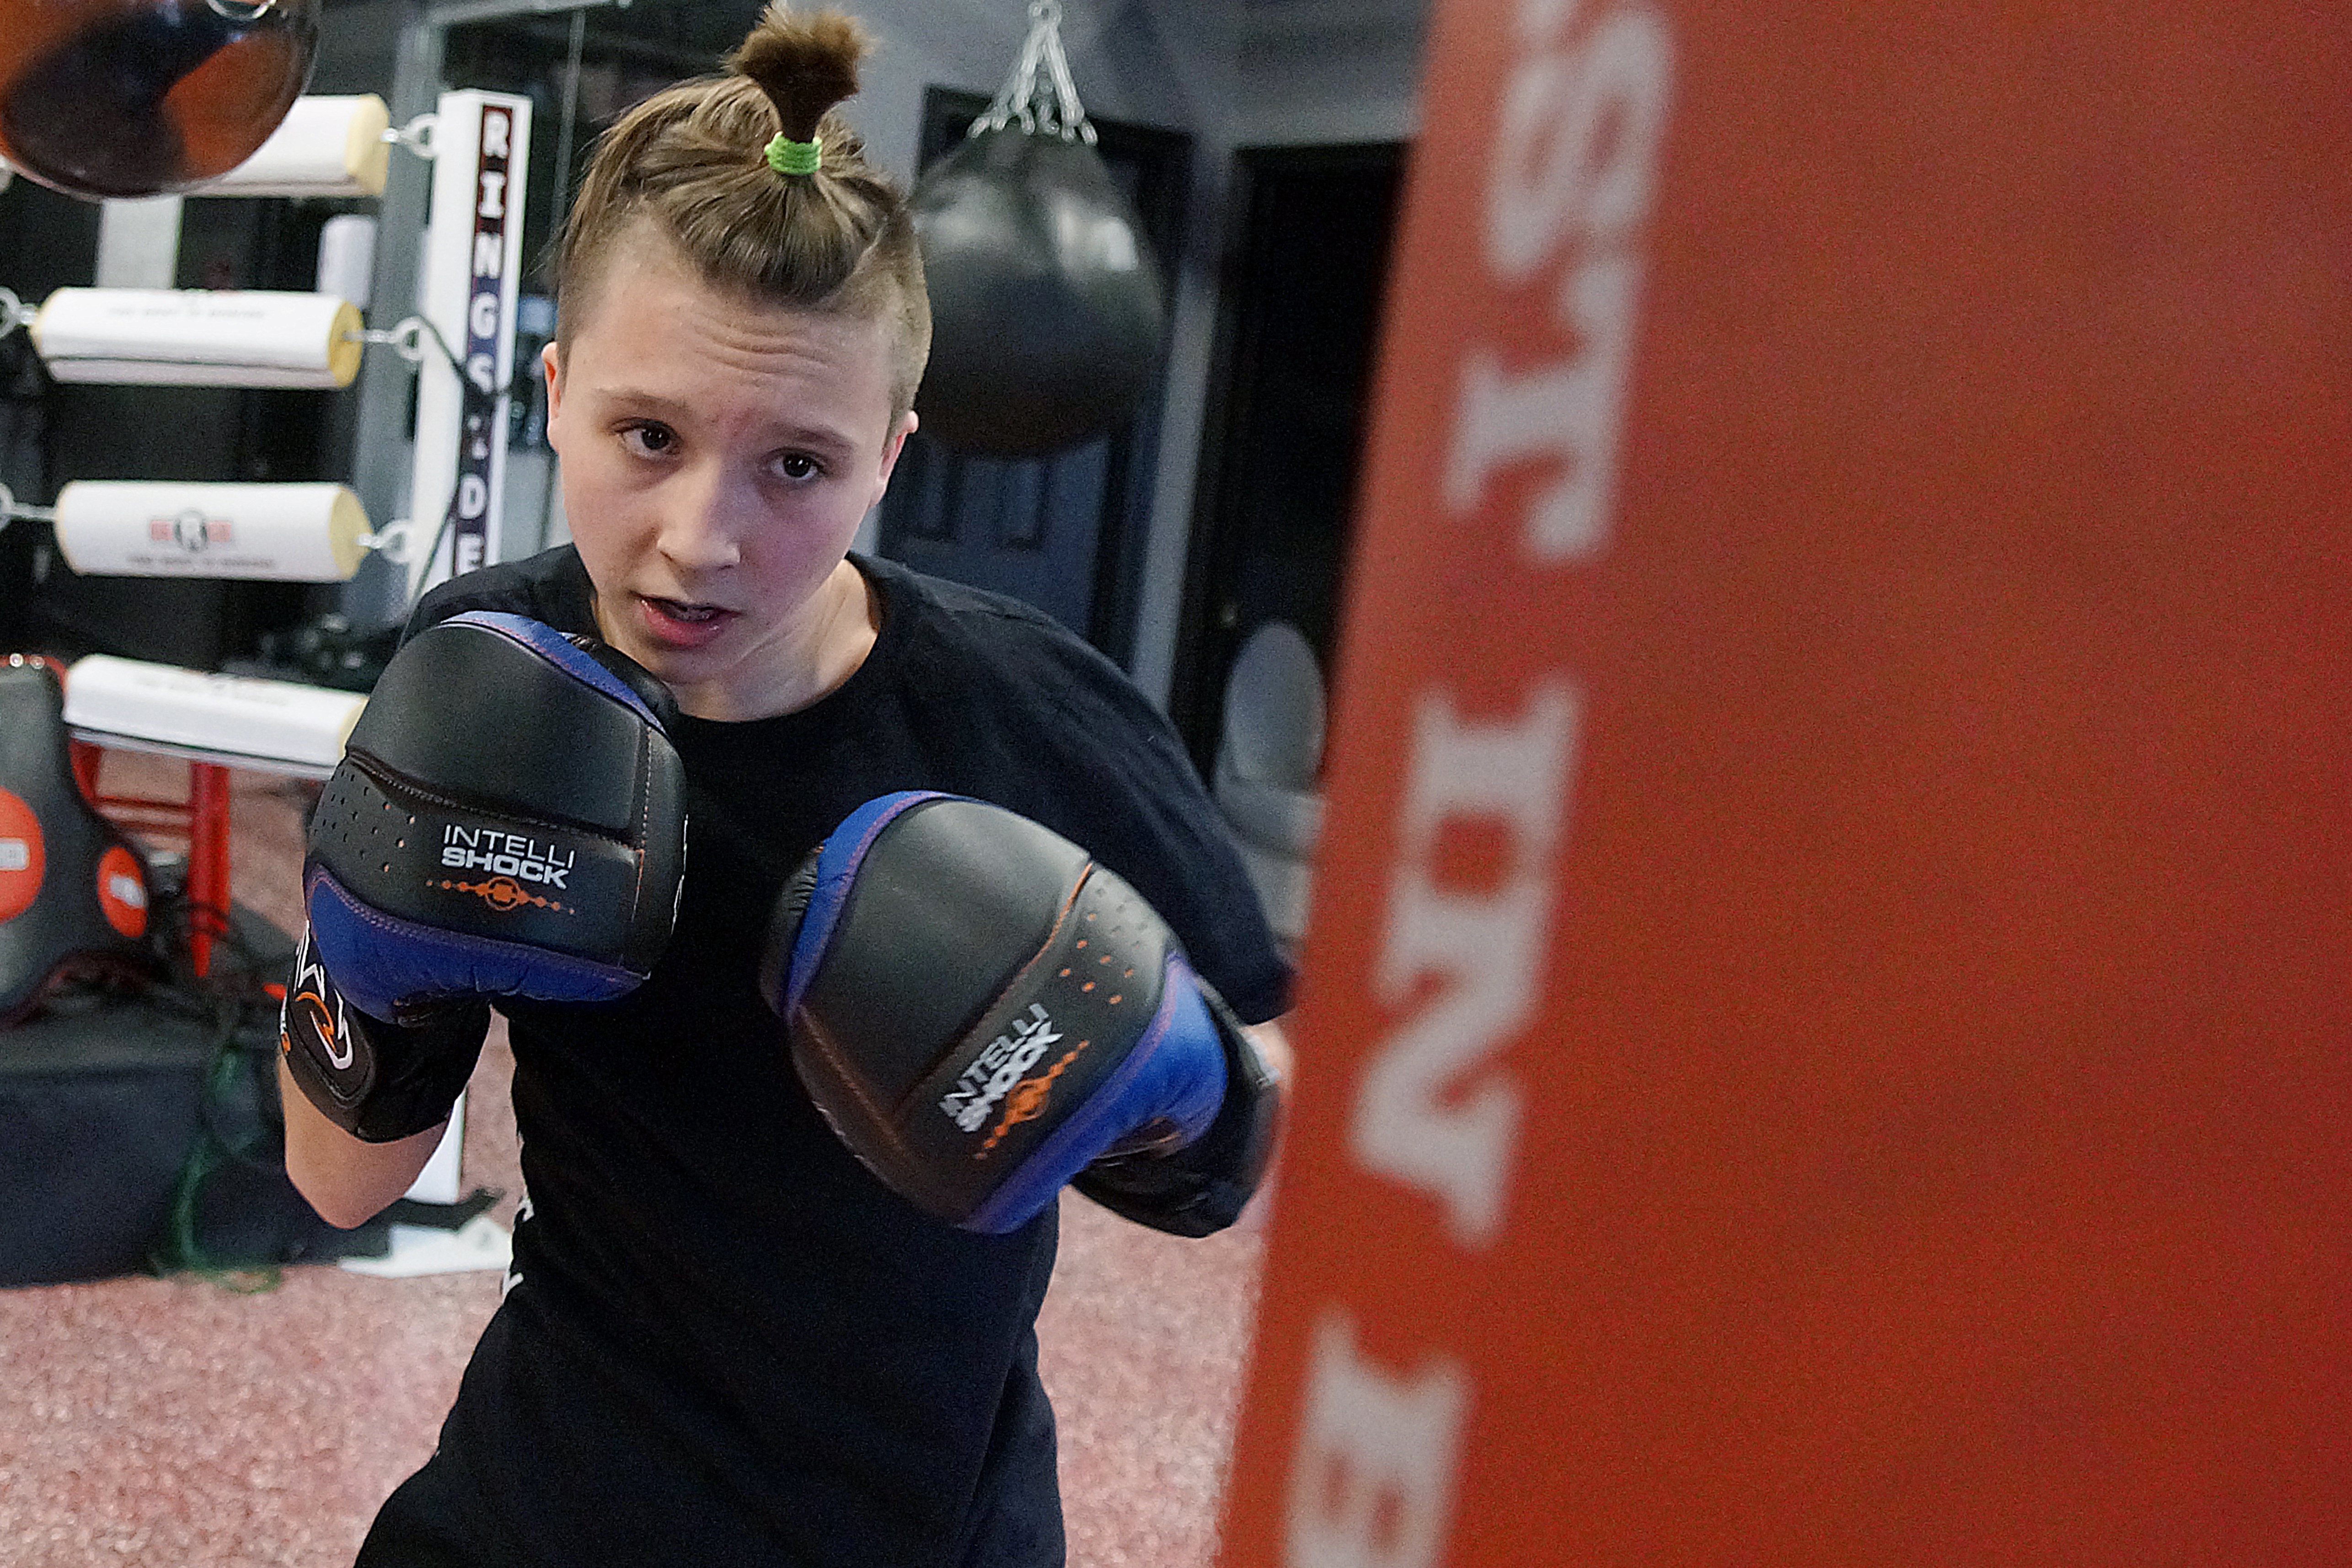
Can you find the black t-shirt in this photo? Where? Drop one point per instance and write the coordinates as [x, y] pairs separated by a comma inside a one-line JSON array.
[[724, 1340]]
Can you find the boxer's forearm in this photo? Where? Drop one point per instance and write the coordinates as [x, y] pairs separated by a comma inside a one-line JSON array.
[[347, 1182], [1275, 1045]]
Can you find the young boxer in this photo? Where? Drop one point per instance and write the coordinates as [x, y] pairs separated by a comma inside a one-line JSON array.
[[725, 1340]]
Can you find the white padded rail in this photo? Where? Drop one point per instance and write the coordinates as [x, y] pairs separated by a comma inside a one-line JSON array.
[[155, 527], [275, 726], [326, 146], [196, 337]]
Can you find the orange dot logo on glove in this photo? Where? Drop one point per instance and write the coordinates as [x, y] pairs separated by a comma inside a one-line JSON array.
[[22, 860], [501, 893], [1029, 1098]]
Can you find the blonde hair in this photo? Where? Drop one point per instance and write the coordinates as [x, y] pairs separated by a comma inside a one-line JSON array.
[[691, 161]]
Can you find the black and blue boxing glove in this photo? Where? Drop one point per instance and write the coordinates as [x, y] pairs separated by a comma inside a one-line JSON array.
[[508, 820], [985, 1015]]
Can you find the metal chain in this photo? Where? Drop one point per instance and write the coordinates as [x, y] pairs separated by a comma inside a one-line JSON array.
[[1046, 109]]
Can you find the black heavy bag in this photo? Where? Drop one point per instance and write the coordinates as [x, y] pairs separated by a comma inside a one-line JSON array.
[[136, 98], [1047, 317]]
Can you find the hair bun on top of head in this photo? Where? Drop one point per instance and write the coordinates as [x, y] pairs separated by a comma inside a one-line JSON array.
[[805, 63], [686, 163]]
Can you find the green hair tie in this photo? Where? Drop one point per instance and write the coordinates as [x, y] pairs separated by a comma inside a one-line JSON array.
[[786, 156]]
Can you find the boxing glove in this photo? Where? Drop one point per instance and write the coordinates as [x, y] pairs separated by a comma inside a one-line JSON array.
[[983, 1013], [508, 820]]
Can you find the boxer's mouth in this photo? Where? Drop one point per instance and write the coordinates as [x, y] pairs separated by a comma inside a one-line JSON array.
[[682, 625], [692, 614]]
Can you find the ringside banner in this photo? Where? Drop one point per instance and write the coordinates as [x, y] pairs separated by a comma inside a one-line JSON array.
[[1826, 1032]]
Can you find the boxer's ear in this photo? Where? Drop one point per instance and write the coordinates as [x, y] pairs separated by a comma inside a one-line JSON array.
[[551, 365]]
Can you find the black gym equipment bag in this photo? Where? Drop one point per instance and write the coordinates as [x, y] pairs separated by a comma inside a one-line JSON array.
[[139, 1123], [73, 889]]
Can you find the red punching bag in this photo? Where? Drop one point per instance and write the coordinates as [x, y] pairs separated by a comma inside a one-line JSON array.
[[138, 98]]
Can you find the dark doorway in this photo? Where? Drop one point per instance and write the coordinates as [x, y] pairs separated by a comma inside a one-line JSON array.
[[1065, 533], [1276, 499]]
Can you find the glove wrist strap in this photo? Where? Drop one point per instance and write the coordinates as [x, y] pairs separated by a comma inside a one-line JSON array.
[[1203, 1188], [378, 1081]]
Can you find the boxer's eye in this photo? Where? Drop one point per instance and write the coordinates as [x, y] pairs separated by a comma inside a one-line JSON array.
[[647, 438]]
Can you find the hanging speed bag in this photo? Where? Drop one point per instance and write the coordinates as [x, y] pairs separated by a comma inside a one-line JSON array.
[[138, 98], [1047, 322]]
